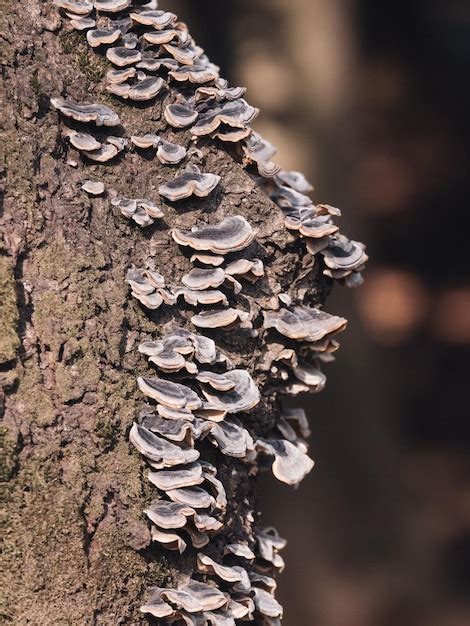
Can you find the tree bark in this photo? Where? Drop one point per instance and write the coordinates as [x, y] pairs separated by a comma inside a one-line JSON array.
[[76, 544]]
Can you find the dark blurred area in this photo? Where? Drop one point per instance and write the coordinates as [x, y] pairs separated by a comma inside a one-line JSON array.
[[372, 101]]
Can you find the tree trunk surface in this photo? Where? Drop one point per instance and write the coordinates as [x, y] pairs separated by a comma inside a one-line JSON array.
[[77, 546]]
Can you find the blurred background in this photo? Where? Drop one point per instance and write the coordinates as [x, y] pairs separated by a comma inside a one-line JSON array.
[[371, 100]]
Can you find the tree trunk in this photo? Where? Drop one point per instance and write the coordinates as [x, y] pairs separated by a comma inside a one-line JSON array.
[[77, 546]]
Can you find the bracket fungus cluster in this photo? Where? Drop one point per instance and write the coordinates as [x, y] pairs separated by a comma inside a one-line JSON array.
[[203, 403]]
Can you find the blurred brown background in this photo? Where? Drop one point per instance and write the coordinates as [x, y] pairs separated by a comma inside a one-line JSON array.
[[372, 101]]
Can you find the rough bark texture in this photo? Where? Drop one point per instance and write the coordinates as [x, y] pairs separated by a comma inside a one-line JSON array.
[[74, 535]]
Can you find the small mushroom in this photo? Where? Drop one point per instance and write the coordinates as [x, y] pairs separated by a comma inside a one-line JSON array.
[[257, 149], [268, 169], [235, 575], [185, 55], [207, 259], [197, 74], [158, 38], [130, 40], [146, 141], [201, 279], [100, 114], [221, 318], [101, 37], [220, 92], [157, 19], [236, 114], [232, 135], [162, 453], [241, 550], [112, 6], [251, 270], [173, 430], [303, 323], [230, 235], [188, 476], [93, 187], [152, 64], [117, 77], [170, 153], [83, 23], [106, 152], [190, 182], [83, 141], [172, 541], [144, 90], [142, 211], [290, 464], [122, 56], [220, 382], [173, 395], [344, 254], [168, 515], [77, 7], [207, 296], [266, 604], [194, 497], [174, 414], [295, 180], [180, 114], [232, 439], [157, 607]]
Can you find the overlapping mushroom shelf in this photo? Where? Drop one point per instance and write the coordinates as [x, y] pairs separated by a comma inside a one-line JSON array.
[[196, 404]]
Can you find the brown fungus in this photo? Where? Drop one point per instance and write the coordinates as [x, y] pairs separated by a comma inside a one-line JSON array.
[[221, 318], [170, 153], [76, 7], [161, 452], [146, 141], [157, 19], [122, 56], [101, 37], [304, 323], [168, 393], [236, 114]]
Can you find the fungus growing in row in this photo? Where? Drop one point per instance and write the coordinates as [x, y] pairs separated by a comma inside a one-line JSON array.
[[230, 235], [144, 90], [83, 23], [93, 187], [201, 279], [76, 7], [291, 464], [251, 270], [180, 114], [295, 180], [158, 38], [142, 211], [190, 182], [149, 288], [146, 141], [152, 64], [198, 74], [222, 318], [100, 114], [117, 77], [101, 37], [303, 323], [232, 574], [236, 114], [107, 151], [157, 19], [188, 476], [170, 153], [161, 452], [168, 393], [122, 56], [207, 259], [243, 396], [112, 6], [82, 141], [219, 92]]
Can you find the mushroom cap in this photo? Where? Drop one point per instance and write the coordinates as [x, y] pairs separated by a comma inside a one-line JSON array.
[[234, 574], [344, 254], [290, 464], [158, 38], [168, 393], [161, 452], [117, 77], [232, 439], [266, 604], [190, 182], [157, 19], [83, 141], [152, 64], [220, 318], [230, 235], [295, 180], [169, 515], [122, 56], [207, 259], [157, 607], [258, 149], [180, 115], [220, 382], [242, 550], [196, 73], [205, 296], [201, 279], [185, 55], [93, 187], [170, 153], [101, 36], [105, 153], [112, 6], [304, 323], [100, 114], [83, 23], [194, 497], [146, 89], [78, 7], [187, 476], [172, 541], [146, 141], [174, 430], [237, 114]]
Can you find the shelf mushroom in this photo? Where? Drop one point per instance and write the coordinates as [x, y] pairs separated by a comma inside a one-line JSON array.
[[230, 235], [100, 114], [190, 182]]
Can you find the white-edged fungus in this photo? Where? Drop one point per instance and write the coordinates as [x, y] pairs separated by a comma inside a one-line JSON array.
[[76, 7], [291, 464], [93, 187], [146, 141], [304, 323], [201, 279], [122, 56], [168, 393], [169, 153], [221, 318], [157, 19], [168, 515], [112, 6], [162, 453], [230, 235], [188, 476], [100, 114], [171, 541], [101, 37], [180, 114], [190, 182]]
